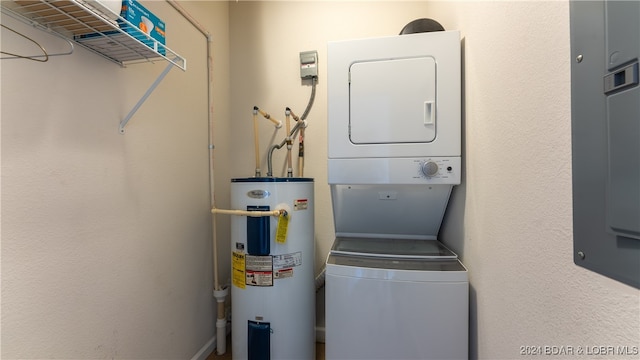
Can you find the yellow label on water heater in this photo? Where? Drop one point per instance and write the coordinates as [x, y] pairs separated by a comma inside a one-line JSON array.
[[238, 272], [283, 226]]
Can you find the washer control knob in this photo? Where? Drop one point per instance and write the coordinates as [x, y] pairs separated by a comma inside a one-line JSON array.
[[429, 168]]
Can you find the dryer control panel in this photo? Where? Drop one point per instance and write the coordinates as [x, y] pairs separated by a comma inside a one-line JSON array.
[[425, 170], [434, 168]]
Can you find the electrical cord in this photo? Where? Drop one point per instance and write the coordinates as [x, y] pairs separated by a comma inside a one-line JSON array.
[[311, 99]]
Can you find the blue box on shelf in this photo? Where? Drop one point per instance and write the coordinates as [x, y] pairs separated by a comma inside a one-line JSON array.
[[139, 23], [144, 23]]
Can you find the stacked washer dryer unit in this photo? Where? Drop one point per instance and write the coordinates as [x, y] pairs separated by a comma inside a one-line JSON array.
[[393, 291]]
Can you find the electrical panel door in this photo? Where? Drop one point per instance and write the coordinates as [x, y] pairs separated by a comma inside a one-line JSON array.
[[605, 107], [623, 117]]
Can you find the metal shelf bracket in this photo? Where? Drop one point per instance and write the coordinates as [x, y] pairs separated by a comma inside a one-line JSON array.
[[155, 84]]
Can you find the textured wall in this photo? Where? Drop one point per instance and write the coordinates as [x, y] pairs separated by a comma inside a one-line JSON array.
[[511, 219], [106, 238]]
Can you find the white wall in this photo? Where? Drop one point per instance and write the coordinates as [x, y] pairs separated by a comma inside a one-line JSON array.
[[513, 214], [106, 238], [511, 219]]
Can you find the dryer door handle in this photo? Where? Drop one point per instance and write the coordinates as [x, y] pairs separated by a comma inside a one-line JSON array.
[[429, 112]]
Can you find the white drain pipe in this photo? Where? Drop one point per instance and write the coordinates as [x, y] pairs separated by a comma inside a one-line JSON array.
[[219, 292]]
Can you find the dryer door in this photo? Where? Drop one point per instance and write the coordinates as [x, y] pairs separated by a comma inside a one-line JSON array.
[[393, 101]]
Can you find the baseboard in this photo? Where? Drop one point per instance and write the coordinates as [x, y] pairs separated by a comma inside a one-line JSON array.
[[210, 346], [206, 350]]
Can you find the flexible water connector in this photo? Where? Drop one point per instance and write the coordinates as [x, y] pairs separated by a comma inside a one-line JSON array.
[[296, 127]]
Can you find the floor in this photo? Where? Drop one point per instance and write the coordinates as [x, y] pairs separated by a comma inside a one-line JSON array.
[[227, 354]]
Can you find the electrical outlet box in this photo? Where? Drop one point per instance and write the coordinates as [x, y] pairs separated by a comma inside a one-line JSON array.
[[308, 64]]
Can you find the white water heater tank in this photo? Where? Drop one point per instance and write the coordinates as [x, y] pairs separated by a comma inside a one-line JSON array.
[[273, 290]]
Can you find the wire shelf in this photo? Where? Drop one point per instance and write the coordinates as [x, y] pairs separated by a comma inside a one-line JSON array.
[[98, 30]]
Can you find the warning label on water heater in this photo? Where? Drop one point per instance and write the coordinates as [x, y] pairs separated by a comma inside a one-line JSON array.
[[258, 270], [283, 264], [283, 273], [237, 273], [285, 261], [300, 204], [262, 270]]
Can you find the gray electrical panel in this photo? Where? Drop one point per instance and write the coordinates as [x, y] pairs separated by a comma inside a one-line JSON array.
[[605, 108]]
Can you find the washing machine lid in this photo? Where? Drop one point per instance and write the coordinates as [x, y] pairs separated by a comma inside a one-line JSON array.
[[392, 248], [396, 269]]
